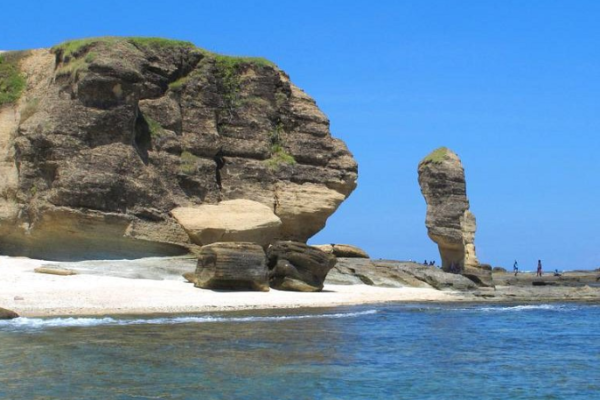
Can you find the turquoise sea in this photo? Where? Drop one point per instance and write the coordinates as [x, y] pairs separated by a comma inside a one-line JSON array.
[[415, 351]]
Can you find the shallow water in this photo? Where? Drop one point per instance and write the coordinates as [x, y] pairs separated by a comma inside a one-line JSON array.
[[386, 352]]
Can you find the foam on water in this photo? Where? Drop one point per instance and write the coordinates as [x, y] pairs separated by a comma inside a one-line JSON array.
[[498, 308], [41, 323]]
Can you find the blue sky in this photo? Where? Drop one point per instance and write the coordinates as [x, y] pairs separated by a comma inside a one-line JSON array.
[[511, 86]]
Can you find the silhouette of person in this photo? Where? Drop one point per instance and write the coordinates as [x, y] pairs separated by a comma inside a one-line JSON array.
[[516, 267], [539, 268]]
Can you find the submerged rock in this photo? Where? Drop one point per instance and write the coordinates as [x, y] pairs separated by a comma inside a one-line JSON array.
[[298, 267], [449, 222], [232, 266], [113, 134], [7, 314]]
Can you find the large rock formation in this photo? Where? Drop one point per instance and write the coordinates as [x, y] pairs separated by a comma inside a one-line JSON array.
[[232, 266], [298, 267], [108, 136], [449, 222]]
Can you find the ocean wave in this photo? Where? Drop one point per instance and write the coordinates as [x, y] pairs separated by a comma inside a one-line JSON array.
[[43, 323], [496, 308], [529, 307]]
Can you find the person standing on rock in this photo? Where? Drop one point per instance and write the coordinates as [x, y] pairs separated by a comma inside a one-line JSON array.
[[539, 268], [516, 267]]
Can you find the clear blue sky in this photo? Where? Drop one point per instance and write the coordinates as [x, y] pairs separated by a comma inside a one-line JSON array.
[[512, 86]]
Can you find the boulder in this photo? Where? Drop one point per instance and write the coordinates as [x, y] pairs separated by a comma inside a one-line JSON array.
[[298, 267], [232, 266], [190, 277], [499, 270], [342, 250], [229, 221], [8, 314], [449, 222], [112, 134]]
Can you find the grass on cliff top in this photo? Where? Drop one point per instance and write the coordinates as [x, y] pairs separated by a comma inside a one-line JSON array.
[[12, 82], [436, 157], [73, 48]]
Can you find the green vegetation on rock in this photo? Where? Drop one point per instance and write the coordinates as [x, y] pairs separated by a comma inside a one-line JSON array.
[[436, 157], [188, 164], [279, 155], [154, 127], [12, 82], [74, 48]]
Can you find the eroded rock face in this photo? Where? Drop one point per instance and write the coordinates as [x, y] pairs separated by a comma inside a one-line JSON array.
[[449, 222], [232, 266], [229, 221], [298, 267], [122, 131]]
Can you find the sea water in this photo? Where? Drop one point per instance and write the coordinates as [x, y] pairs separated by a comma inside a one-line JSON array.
[[416, 351]]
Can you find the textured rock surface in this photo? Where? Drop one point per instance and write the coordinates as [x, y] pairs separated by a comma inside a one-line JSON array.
[[386, 273], [111, 135], [232, 266], [8, 314], [229, 221], [298, 267], [342, 250], [449, 222]]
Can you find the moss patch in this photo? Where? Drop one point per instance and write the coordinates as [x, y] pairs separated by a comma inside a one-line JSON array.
[[156, 129], [12, 82], [188, 164], [436, 157], [279, 156]]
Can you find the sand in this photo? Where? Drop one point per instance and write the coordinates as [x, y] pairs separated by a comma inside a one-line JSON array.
[[38, 295]]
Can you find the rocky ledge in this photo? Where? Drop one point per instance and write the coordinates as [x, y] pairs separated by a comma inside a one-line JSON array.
[[112, 147]]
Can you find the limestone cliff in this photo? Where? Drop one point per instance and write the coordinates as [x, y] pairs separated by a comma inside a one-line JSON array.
[[449, 222], [110, 135]]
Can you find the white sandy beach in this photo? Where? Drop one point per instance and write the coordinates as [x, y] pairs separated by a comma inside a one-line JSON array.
[[32, 294]]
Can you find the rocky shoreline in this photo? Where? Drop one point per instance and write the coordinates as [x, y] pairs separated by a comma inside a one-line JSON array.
[[156, 285]]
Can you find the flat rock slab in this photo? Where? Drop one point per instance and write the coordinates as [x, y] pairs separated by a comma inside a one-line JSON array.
[[229, 221], [232, 266], [342, 250], [54, 271], [153, 268]]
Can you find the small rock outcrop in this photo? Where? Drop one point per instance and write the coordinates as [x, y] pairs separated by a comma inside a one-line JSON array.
[[342, 250], [449, 222], [7, 314], [232, 266], [298, 267], [104, 137]]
